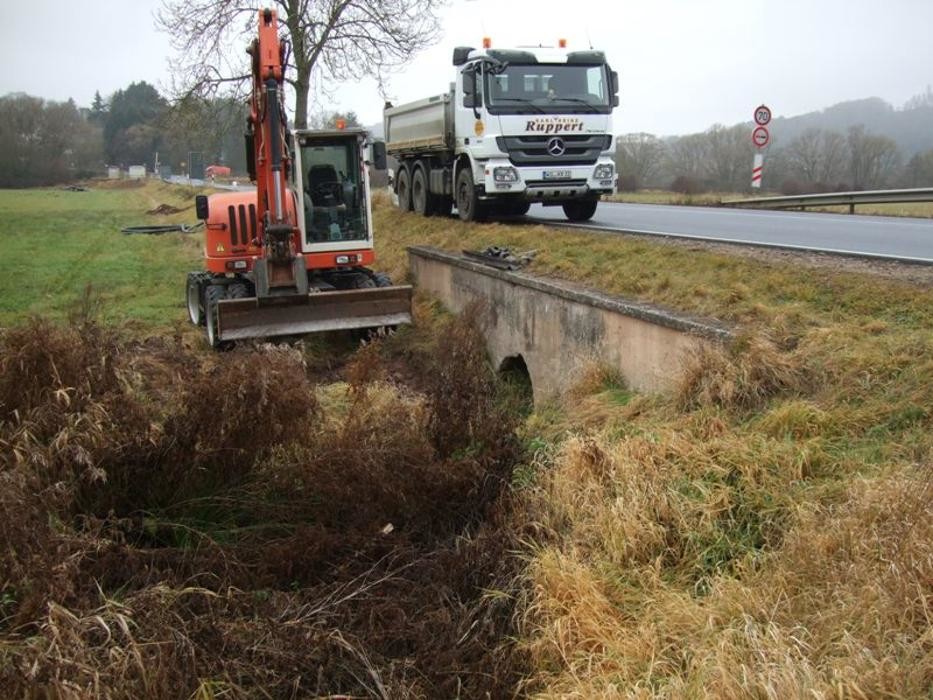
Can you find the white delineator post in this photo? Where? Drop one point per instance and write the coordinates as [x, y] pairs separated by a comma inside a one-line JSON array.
[[757, 167]]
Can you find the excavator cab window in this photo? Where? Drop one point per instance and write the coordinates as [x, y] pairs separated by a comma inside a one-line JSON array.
[[333, 190]]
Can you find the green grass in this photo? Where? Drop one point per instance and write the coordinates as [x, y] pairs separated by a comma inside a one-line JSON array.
[[57, 243]]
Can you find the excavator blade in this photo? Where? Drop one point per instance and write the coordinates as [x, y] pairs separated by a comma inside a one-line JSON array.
[[238, 319]]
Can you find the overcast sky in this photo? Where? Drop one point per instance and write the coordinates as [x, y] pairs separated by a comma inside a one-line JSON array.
[[684, 64]]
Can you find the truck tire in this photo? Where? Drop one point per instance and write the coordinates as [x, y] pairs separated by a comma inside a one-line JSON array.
[[580, 211], [422, 202], [469, 205], [404, 188]]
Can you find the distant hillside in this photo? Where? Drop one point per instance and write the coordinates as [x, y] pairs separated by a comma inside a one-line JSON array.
[[911, 127]]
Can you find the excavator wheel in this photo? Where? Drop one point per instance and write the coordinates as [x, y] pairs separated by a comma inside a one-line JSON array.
[[237, 290], [213, 293], [369, 280], [381, 279], [193, 297]]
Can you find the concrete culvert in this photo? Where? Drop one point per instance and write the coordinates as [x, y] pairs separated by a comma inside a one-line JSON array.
[[517, 379]]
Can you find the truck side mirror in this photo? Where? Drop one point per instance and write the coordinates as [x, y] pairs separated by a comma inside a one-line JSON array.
[[471, 98], [378, 155], [461, 55], [615, 87]]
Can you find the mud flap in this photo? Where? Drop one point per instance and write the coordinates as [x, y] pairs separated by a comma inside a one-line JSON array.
[[238, 319]]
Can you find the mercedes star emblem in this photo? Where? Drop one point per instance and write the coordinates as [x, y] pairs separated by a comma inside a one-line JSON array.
[[555, 146]]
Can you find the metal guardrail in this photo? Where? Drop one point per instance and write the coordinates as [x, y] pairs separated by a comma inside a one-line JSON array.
[[828, 199]]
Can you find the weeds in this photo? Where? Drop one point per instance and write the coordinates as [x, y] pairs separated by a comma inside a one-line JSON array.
[[159, 505]]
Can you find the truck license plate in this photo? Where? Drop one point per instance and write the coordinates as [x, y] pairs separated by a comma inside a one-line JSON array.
[[556, 174]]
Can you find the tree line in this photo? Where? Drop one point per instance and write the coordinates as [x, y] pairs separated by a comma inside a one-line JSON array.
[[45, 142], [816, 160]]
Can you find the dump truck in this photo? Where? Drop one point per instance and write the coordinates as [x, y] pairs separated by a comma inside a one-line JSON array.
[[517, 127], [294, 255]]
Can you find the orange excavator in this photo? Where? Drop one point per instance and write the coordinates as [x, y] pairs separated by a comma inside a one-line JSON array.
[[292, 256]]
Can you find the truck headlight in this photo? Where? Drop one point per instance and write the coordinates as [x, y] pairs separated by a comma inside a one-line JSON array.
[[604, 171], [505, 174]]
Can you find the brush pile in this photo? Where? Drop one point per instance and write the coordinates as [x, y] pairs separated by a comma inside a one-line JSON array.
[[174, 524]]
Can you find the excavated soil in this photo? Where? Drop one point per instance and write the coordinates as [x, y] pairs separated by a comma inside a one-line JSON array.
[[175, 523], [165, 210]]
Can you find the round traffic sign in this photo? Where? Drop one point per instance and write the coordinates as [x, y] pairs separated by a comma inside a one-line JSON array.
[[762, 115], [761, 136]]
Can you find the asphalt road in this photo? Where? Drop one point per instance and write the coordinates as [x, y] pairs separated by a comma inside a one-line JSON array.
[[889, 237]]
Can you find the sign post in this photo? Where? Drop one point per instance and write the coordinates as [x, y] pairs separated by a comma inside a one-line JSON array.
[[757, 166], [761, 137]]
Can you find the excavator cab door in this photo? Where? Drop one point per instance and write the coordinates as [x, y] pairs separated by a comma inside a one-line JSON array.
[[331, 179]]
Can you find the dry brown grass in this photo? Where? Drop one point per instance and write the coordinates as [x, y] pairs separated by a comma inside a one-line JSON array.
[[178, 524]]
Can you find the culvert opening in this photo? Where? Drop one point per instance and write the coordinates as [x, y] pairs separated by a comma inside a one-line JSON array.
[[518, 389]]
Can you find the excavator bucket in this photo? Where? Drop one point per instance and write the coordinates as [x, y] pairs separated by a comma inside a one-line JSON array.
[[238, 319]]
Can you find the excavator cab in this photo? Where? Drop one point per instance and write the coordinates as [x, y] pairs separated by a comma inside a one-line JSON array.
[[329, 175]]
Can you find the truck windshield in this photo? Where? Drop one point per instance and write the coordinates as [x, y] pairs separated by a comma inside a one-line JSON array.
[[333, 190], [548, 87]]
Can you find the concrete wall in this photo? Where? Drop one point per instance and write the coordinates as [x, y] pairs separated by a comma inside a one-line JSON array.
[[557, 327]]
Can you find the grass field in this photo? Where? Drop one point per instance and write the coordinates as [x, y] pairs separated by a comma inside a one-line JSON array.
[[765, 530], [56, 243]]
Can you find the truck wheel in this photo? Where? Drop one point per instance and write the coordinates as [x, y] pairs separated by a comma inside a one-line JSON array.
[[404, 189], [193, 298], [421, 199], [469, 206], [580, 211]]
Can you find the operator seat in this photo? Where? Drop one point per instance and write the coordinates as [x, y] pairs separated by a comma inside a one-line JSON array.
[[323, 174]]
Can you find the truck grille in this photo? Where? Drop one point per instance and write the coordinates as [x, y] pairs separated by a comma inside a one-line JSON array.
[[532, 150]]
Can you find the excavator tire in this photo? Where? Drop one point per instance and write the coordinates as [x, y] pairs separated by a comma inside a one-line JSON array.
[[193, 300], [213, 293], [381, 279], [237, 290]]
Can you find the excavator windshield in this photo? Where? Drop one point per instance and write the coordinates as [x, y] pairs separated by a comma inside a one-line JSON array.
[[334, 192]]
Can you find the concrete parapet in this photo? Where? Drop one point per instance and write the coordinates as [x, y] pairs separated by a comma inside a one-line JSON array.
[[556, 326]]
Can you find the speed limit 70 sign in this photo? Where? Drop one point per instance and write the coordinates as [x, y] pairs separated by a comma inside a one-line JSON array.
[[762, 115]]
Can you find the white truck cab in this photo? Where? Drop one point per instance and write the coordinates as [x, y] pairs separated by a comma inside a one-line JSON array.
[[518, 126]]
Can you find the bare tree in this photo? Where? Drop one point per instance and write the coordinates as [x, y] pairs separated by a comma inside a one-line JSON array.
[[687, 156], [730, 156], [341, 39], [872, 158], [818, 156], [639, 157]]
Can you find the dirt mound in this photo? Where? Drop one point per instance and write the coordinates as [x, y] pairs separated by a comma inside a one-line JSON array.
[[164, 210], [160, 506]]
